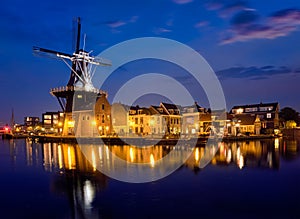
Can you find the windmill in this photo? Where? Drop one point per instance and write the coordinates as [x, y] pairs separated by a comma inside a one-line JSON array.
[[83, 68]]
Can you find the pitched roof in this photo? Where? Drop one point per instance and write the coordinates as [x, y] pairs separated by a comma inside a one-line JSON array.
[[171, 108], [245, 119], [156, 110], [274, 105]]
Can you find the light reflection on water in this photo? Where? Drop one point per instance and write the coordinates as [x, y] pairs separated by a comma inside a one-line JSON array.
[[77, 179]]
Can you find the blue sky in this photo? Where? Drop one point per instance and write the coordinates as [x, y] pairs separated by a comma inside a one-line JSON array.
[[253, 45]]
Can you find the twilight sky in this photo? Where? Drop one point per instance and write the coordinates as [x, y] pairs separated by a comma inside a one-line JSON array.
[[253, 46]]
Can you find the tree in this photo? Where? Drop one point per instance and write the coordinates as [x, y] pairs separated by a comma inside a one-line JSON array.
[[289, 114]]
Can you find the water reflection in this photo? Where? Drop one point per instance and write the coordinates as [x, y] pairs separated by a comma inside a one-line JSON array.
[[77, 178], [250, 154], [261, 154]]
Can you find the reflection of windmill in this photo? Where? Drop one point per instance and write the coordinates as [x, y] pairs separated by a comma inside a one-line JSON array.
[[82, 70]]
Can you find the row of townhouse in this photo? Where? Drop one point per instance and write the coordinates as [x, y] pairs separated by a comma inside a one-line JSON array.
[[171, 119], [167, 119]]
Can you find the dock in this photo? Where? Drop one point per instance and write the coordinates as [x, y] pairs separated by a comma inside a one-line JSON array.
[[140, 141]]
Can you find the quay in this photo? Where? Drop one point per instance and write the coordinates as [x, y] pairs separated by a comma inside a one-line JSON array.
[[141, 141]]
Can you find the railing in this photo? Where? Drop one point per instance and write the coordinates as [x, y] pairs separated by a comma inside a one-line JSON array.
[[72, 88]]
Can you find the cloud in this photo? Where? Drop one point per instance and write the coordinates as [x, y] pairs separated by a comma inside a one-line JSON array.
[[248, 25], [214, 5], [232, 8], [253, 72], [290, 16], [119, 23], [181, 2], [297, 70], [161, 30], [226, 8], [115, 24], [244, 18], [202, 24]]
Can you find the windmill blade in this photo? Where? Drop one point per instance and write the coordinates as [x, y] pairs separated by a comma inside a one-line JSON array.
[[76, 34], [76, 31], [102, 61], [50, 53], [75, 46]]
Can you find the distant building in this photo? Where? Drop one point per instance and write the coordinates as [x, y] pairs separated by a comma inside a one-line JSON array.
[[31, 121], [268, 113], [53, 120]]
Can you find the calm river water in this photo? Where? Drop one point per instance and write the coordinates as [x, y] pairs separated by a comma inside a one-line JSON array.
[[254, 179]]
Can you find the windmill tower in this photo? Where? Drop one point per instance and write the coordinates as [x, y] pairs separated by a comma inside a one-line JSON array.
[[79, 93]]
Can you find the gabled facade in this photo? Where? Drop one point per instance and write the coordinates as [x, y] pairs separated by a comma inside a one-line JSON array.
[[173, 118], [244, 124], [139, 120], [195, 120], [268, 113]]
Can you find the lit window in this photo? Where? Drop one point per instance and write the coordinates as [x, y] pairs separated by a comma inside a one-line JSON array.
[[47, 116], [47, 122], [269, 116], [240, 110], [79, 96]]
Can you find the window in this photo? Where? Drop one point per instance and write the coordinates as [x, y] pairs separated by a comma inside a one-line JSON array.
[[269, 115], [141, 120], [47, 122], [103, 118], [252, 109], [102, 106], [46, 117], [240, 110], [136, 121], [268, 108]]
